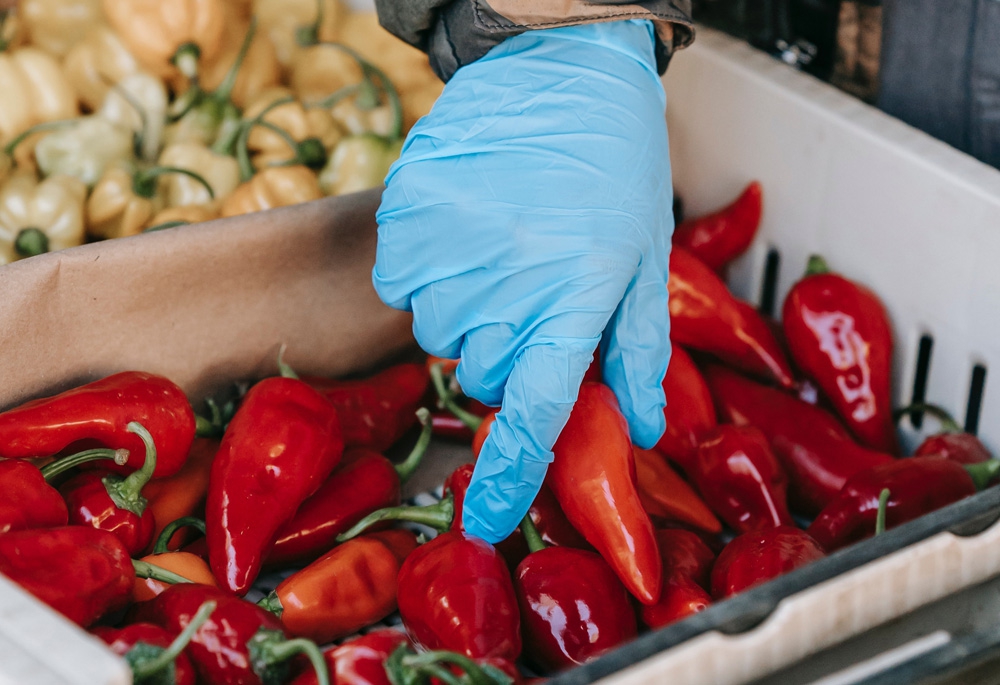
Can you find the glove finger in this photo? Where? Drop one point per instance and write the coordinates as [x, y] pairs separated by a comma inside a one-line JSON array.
[[636, 347], [537, 402]]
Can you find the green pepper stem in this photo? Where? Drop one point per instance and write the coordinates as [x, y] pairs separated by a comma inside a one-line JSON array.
[[438, 516], [52, 471], [531, 534], [269, 651], [947, 421], [284, 369], [243, 141], [172, 527], [476, 674], [186, 58], [126, 492], [440, 673], [983, 472], [816, 266], [883, 505], [406, 468], [272, 603], [144, 569], [144, 182], [165, 225], [225, 89], [448, 400], [44, 126], [308, 35], [179, 644], [31, 242], [215, 426]]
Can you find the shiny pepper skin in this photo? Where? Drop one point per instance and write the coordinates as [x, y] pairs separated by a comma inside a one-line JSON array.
[[666, 495], [26, 500], [273, 187], [83, 573], [456, 594], [359, 661], [90, 505], [121, 641], [101, 411], [963, 448], [689, 411], [756, 557], [741, 480], [279, 448], [687, 563], [839, 334], [593, 477], [722, 236], [573, 607]]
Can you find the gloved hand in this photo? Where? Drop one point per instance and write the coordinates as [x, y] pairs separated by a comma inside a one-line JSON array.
[[530, 213]]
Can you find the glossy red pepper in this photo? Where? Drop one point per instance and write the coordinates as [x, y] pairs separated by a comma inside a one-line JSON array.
[[154, 654], [100, 412], [951, 442], [706, 317], [350, 587], [110, 502], [741, 480], [722, 236], [687, 563], [364, 482], [592, 476], [377, 411], [573, 607], [83, 573], [360, 661], [816, 452], [839, 335], [689, 411], [282, 444], [666, 495], [756, 557], [916, 485], [455, 593], [240, 643]]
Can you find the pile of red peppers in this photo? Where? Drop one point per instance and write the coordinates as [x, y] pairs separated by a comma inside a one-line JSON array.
[[149, 525]]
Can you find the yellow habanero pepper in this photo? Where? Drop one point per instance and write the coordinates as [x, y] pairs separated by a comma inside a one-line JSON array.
[[178, 216], [123, 201], [288, 20], [97, 61], [33, 90], [56, 25], [278, 125], [161, 34], [40, 217], [273, 187], [139, 103], [221, 171], [84, 148], [358, 163]]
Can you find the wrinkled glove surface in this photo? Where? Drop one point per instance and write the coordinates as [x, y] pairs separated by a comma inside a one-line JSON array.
[[527, 221]]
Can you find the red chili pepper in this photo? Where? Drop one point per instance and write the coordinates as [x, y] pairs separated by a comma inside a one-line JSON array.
[[101, 411], [154, 654], [592, 476], [687, 562], [240, 644], [360, 661], [706, 317], [364, 482], [952, 442], [722, 236], [456, 594], [839, 334], [573, 607], [377, 411], [756, 557], [689, 411], [666, 495], [917, 485], [83, 573], [741, 480], [816, 452], [110, 502], [282, 443], [352, 586]]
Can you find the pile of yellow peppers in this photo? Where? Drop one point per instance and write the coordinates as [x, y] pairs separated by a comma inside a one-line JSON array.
[[124, 116]]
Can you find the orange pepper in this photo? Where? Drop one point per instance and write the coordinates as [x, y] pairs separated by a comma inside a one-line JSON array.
[[352, 586], [184, 564], [273, 187], [96, 61], [283, 19], [665, 494], [186, 214], [183, 493], [56, 25]]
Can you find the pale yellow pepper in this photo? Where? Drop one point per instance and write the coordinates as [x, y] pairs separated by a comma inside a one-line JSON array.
[[273, 187], [40, 217], [85, 148], [124, 201], [139, 103], [33, 90], [358, 163], [56, 25], [284, 20], [154, 31], [97, 61], [221, 171]]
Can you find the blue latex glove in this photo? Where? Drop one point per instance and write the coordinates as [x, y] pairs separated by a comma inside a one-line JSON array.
[[530, 214]]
